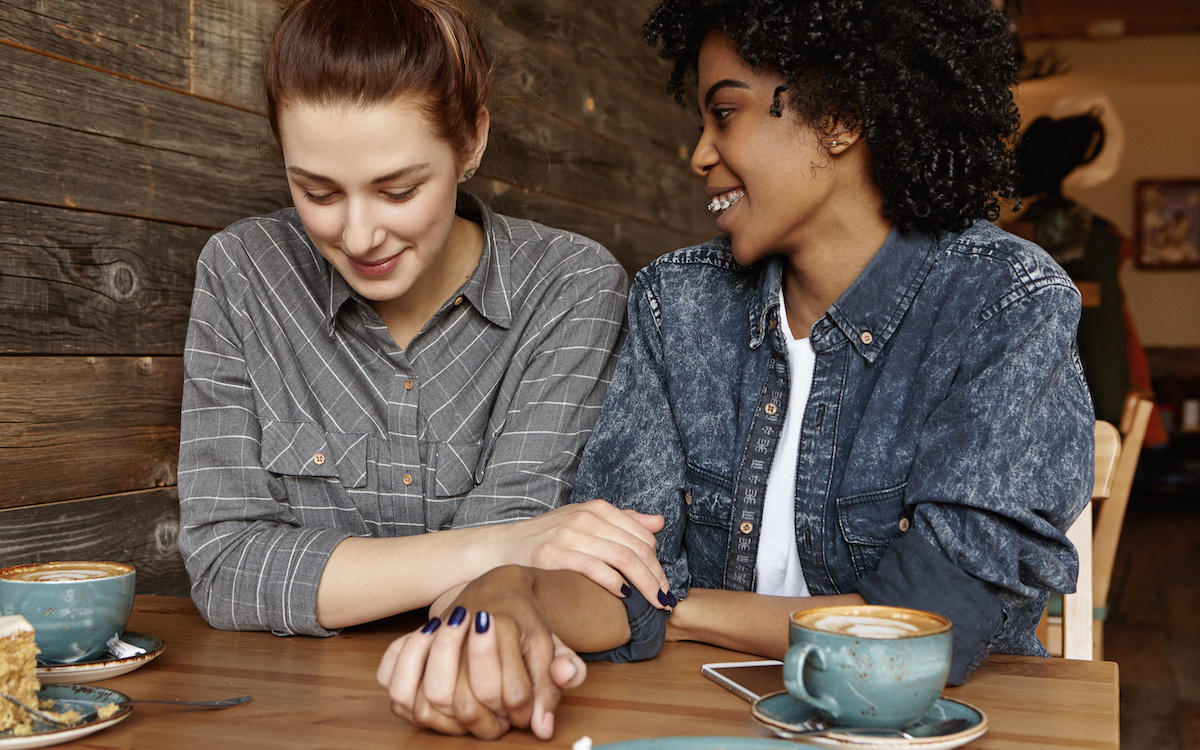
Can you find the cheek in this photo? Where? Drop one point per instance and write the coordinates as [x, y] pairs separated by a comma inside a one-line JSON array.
[[322, 223]]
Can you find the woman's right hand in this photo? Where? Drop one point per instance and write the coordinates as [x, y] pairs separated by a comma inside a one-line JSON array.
[[604, 543]]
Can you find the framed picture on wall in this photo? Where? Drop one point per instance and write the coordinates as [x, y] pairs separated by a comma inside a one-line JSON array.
[[1168, 223]]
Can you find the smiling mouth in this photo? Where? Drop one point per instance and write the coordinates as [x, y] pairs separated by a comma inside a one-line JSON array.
[[725, 200]]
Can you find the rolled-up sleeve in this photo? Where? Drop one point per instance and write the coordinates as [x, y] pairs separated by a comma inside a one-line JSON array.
[[635, 460], [1004, 466], [252, 566]]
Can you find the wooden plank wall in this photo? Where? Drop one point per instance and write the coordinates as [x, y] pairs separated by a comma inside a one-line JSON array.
[[133, 130]]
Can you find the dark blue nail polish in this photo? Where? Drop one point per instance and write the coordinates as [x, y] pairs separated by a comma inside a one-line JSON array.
[[457, 616], [625, 590], [483, 621], [665, 598], [431, 626]]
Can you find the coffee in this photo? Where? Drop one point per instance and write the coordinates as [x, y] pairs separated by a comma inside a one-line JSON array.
[[898, 623], [75, 607], [64, 571], [865, 665]]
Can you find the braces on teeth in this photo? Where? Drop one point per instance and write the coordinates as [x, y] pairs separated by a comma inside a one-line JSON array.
[[717, 204]]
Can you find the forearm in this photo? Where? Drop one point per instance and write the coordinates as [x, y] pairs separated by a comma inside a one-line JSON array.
[[367, 579], [582, 614], [742, 620]]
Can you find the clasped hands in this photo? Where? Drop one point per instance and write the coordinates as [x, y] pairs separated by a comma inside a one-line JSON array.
[[492, 658]]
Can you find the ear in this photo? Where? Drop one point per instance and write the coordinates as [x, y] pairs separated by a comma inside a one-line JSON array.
[[838, 137], [482, 124]]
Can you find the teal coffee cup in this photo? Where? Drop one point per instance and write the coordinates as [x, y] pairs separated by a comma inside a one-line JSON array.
[[866, 665], [74, 607]]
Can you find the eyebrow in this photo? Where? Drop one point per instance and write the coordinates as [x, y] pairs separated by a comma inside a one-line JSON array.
[[723, 84], [396, 175]]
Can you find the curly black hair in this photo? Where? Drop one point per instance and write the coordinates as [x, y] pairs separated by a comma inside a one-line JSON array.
[[928, 83]]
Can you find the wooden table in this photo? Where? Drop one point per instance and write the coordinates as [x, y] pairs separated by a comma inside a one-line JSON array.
[[321, 693]]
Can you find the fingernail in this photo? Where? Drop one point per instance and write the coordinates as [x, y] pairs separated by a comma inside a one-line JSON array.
[[665, 598], [457, 616], [432, 625], [625, 590], [483, 621]]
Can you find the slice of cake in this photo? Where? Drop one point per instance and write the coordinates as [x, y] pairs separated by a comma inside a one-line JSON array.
[[18, 672]]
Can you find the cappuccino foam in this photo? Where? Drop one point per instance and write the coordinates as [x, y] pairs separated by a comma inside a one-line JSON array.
[[63, 571], [865, 627]]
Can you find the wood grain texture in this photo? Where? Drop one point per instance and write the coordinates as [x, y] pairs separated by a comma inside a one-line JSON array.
[[230, 38], [321, 693], [78, 137], [75, 282], [147, 39], [633, 242], [139, 528], [73, 427]]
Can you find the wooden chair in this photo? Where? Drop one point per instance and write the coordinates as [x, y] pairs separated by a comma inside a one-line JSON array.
[[1110, 516], [1070, 632]]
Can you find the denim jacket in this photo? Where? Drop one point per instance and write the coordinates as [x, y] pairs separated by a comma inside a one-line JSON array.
[[946, 445]]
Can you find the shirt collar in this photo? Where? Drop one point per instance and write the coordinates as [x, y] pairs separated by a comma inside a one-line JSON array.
[[488, 288], [871, 308]]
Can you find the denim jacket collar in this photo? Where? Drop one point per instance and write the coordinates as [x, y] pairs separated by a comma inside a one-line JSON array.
[[869, 311]]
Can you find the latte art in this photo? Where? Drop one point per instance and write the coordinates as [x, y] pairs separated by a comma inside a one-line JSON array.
[[64, 571], [865, 627]]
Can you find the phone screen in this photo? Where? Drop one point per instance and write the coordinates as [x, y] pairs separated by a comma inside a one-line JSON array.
[[751, 680]]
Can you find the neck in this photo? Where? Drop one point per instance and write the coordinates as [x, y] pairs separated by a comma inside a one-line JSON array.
[[816, 273], [406, 315]]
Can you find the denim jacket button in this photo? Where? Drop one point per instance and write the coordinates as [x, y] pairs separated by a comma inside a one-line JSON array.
[[687, 497], [746, 527], [866, 338], [770, 409], [904, 523], [771, 325]]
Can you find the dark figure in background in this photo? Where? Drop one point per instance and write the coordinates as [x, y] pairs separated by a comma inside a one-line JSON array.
[[1087, 246]]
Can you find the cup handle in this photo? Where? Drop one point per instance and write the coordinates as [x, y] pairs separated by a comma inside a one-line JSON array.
[[793, 664]]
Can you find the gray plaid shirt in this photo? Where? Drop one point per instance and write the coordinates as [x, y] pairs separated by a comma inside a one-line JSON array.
[[304, 423]]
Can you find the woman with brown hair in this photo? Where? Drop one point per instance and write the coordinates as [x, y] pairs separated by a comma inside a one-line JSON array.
[[390, 357]]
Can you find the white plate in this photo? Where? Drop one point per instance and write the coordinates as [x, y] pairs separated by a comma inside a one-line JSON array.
[[780, 712], [81, 698], [103, 667]]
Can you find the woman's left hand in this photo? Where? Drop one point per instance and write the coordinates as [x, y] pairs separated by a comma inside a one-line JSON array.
[[493, 665]]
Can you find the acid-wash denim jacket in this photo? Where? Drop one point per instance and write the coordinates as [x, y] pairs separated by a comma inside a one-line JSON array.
[[946, 446]]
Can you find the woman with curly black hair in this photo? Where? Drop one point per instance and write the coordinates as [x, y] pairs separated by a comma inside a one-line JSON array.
[[861, 391]]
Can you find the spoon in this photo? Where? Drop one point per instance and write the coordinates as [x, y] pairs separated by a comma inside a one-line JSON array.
[[53, 717], [939, 729]]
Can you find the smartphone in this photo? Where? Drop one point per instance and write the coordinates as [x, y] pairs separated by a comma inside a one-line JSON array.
[[749, 680]]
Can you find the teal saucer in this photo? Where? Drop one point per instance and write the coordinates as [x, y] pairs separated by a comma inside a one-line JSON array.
[[787, 717]]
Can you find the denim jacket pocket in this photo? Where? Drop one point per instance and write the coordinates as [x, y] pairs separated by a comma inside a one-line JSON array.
[[454, 467], [303, 449], [871, 522], [709, 506]]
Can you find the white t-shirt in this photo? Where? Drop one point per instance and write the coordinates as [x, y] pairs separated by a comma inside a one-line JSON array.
[[777, 569]]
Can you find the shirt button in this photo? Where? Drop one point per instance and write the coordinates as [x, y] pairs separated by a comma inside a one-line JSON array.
[[866, 337], [458, 300], [407, 479], [770, 409], [319, 459], [687, 497], [746, 527], [904, 523], [408, 384]]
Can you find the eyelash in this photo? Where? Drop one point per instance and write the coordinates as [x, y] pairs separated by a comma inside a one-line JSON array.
[[326, 198], [719, 114]]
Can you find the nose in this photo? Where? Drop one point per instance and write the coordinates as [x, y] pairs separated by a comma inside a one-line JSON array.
[[704, 156], [361, 230]]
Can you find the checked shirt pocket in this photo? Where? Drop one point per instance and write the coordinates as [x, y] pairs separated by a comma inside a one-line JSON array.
[[303, 449]]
